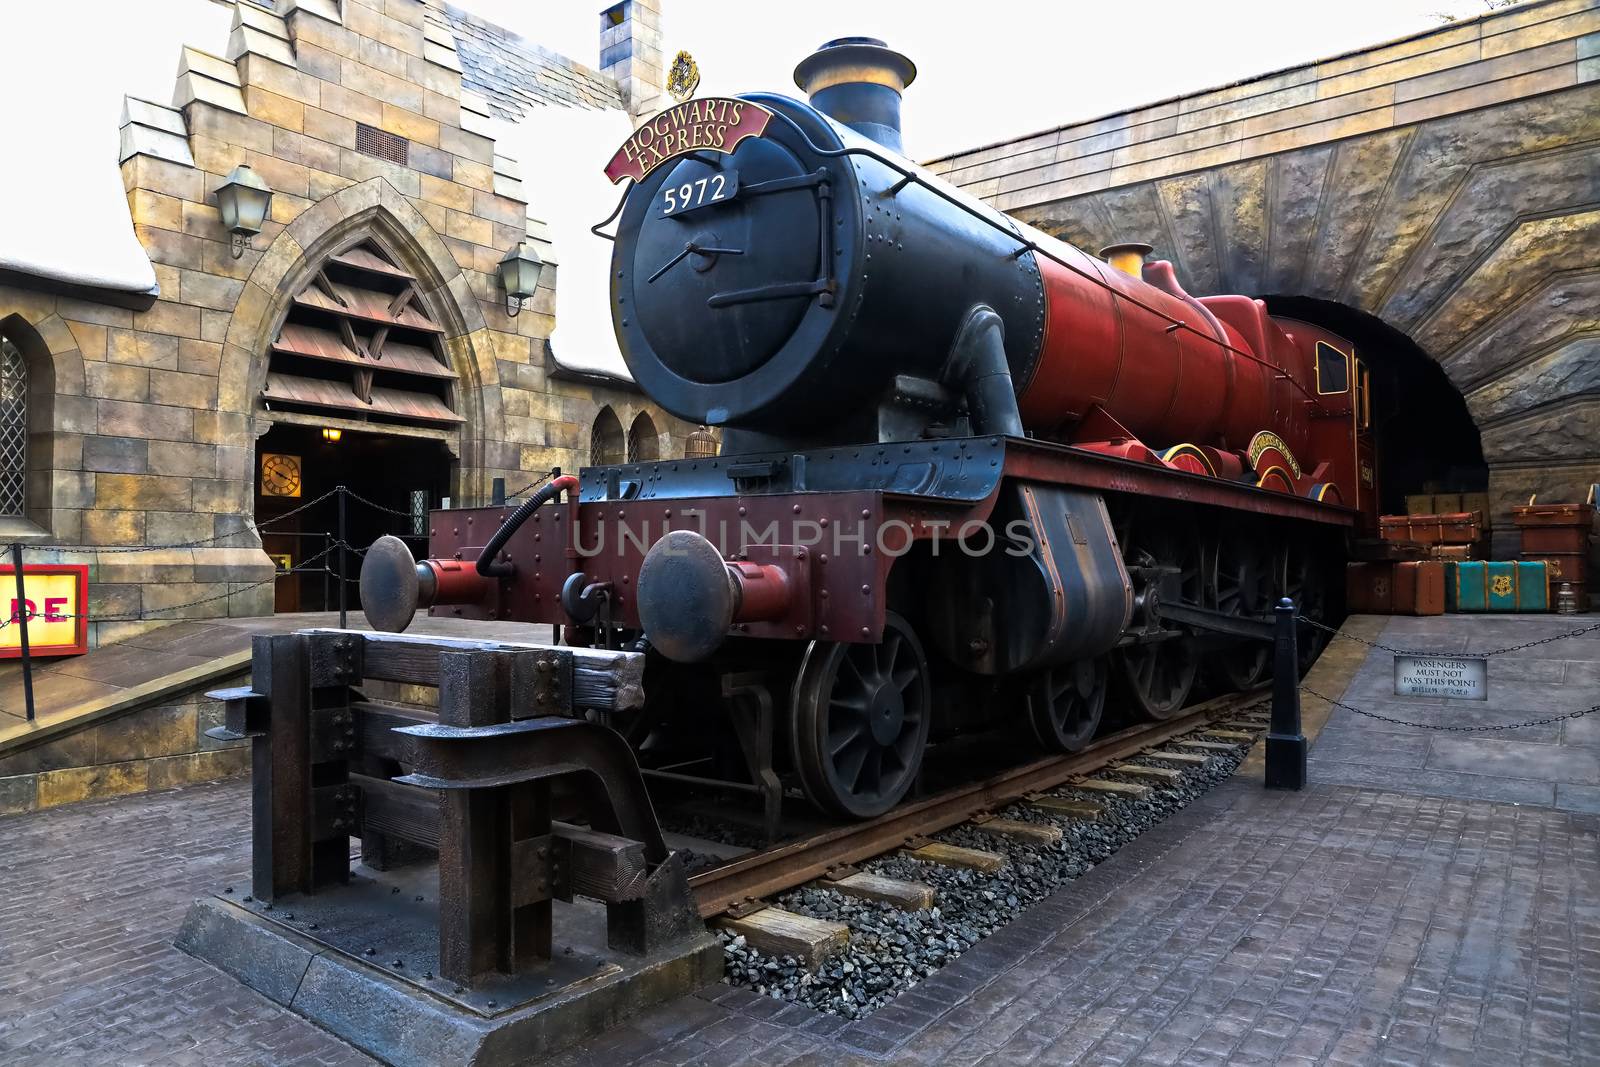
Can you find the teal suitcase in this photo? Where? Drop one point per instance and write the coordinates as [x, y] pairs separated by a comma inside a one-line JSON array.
[[1482, 586]]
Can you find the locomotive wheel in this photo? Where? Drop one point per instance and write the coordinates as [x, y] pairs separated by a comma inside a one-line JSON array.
[[1065, 705], [859, 721], [1303, 582], [1155, 677], [1242, 581]]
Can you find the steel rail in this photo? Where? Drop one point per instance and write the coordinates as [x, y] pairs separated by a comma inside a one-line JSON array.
[[793, 863]]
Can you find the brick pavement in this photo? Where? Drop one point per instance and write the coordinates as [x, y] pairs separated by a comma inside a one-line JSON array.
[[90, 897], [1340, 925]]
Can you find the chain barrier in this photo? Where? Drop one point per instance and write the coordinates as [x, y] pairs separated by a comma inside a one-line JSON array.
[[542, 480], [1451, 729], [1453, 654], [359, 499], [108, 550], [303, 568], [1314, 624]]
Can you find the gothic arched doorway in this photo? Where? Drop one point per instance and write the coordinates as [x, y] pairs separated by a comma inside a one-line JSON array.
[[360, 393]]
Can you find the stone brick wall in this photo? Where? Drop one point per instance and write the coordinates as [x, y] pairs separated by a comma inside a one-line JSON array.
[[1445, 183], [145, 418], [159, 746]]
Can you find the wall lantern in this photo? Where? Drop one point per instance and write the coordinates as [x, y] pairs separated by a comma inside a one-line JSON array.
[[519, 275], [243, 201], [331, 435]]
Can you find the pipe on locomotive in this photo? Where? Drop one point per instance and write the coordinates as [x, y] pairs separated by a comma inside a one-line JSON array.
[[394, 585]]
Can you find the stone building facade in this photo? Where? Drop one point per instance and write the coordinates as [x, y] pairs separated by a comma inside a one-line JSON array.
[[146, 417], [1445, 186]]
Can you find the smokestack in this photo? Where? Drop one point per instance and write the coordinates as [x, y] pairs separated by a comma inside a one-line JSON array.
[[858, 81]]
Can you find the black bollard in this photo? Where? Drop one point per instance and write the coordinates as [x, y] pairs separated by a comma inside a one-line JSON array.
[[497, 492], [1286, 745], [20, 616], [344, 621]]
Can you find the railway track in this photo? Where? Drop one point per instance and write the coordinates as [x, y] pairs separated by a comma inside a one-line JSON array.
[[739, 888]]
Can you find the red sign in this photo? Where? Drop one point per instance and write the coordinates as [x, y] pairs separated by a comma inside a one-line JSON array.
[[57, 596], [715, 124]]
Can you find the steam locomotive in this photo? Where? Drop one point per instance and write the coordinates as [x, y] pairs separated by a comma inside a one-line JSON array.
[[965, 468]]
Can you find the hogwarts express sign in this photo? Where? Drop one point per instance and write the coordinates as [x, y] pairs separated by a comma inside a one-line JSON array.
[[715, 124]]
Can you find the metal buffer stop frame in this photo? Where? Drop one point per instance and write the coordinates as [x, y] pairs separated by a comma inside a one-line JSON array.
[[460, 931]]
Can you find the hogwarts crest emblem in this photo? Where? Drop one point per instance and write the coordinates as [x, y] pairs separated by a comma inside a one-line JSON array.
[[683, 77], [1501, 585]]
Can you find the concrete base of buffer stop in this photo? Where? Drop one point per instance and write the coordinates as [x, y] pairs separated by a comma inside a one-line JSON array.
[[311, 956]]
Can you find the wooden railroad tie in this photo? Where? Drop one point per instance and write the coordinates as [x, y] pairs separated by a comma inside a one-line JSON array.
[[1101, 785], [907, 896], [1207, 746], [1231, 735], [784, 933], [956, 856], [1187, 759], [1031, 832], [1075, 809], [1139, 770]]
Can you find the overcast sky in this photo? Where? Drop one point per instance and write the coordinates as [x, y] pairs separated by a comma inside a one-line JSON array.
[[993, 69]]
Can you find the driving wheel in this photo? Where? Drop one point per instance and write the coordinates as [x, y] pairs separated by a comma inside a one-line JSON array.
[[1065, 705], [1241, 585], [1304, 582], [859, 721], [1155, 675]]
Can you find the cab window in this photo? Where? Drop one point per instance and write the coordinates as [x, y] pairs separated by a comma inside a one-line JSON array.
[[1333, 369]]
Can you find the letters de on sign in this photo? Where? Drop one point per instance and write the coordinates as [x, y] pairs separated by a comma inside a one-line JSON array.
[[1435, 676], [715, 124], [57, 597]]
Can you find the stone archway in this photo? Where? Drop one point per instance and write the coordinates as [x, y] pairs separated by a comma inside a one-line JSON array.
[[1476, 236], [374, 211]]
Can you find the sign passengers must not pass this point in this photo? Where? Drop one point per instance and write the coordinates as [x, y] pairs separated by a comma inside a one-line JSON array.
[[1436, 676]]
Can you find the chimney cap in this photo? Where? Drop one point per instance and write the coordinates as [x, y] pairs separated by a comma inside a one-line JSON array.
[[854, 59]]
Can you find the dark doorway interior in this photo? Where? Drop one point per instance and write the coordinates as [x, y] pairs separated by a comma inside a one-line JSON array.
[[1427, 441], [407, 475]]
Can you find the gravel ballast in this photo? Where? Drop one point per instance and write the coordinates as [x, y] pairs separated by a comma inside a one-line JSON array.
[[892, 950]]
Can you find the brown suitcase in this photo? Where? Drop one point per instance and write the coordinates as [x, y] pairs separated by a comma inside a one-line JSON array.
[[1453, 528], [1407, 588], [1369, 588], [1580, 515], [1564, 566], [1453, 552], [1419, 588]]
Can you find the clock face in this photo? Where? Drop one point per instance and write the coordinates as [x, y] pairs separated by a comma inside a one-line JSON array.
[[280, 474]]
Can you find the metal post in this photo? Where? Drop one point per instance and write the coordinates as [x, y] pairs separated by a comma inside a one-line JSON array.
[[1286, 745], [497, 492], [21, 616], [343, 621], [327, 568]]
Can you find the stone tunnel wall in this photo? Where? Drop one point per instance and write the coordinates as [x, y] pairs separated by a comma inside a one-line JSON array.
[[1448, 183]]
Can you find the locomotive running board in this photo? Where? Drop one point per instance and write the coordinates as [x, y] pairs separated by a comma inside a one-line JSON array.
[[1063, 464]]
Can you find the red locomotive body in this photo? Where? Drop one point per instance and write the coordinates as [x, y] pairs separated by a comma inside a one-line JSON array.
[[964, 467]]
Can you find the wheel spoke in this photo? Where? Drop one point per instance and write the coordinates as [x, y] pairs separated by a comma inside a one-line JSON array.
[[850, 762]]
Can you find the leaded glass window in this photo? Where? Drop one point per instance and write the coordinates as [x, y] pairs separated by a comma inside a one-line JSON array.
[[13, 429]]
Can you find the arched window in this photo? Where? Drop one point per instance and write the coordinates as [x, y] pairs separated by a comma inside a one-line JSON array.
[[606, 443], [644, 444], [13, 430]]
